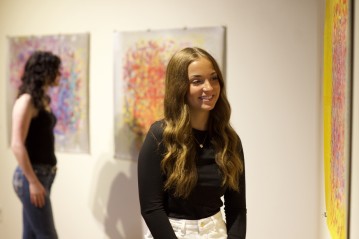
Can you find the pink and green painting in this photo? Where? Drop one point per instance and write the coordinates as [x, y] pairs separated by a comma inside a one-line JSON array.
[[69, 101]]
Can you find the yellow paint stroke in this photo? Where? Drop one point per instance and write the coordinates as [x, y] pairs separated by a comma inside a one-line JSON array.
[[335, 210]]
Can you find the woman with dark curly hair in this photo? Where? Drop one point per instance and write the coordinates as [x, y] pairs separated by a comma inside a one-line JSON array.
[[193, 157], [33, 144]]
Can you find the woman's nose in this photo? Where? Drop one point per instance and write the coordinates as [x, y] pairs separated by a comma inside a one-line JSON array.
[[207, 86]]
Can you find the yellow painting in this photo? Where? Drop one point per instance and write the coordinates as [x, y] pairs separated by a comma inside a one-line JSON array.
[[337, 113]]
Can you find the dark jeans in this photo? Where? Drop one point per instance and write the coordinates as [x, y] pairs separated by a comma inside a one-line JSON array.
[[38, 223]]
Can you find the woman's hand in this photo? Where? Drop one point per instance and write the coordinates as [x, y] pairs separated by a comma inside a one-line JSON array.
[[37, 194]]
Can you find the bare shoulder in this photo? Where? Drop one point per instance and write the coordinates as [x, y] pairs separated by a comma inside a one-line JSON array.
[[24, 103], [25, 97]]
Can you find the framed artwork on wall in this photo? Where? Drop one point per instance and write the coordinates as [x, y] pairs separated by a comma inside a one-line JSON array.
[[337, 115], [69, 101], [140, 60]]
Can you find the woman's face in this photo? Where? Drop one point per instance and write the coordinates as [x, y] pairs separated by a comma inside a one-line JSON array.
[[57, 78], [204, 87]]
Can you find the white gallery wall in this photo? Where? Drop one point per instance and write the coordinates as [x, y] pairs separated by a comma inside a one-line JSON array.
[[274, 57]]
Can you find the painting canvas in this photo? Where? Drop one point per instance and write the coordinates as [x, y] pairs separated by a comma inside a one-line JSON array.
[[337, 114], [70, 100], [140, 60]]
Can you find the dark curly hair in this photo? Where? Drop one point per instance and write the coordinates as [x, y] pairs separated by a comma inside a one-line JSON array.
[[41, 69]]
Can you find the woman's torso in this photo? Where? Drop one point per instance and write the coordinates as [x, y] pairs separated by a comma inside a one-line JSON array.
[[40, 140], [205, 199]]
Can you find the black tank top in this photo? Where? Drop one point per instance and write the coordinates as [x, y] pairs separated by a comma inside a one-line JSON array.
[[40, 141]]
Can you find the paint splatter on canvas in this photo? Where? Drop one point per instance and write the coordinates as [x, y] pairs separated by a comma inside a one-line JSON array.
[[70, 100], [337, 84], [140, 65]]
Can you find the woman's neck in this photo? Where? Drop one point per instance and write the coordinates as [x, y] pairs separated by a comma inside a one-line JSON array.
[[199, 120]]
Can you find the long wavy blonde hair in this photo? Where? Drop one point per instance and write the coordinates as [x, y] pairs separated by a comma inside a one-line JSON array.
[[179, 162]]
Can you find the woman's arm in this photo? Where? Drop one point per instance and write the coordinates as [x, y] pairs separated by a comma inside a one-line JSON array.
[[236, 208], [23, 112], [150, 185]]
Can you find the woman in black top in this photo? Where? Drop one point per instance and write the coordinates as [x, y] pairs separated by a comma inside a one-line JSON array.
[[33, 144], [193, 157]]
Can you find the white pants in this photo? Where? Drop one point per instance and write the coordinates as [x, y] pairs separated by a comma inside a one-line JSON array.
[[207, 228]]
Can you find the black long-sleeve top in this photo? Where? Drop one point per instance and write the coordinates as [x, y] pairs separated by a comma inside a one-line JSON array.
[[205, 199]]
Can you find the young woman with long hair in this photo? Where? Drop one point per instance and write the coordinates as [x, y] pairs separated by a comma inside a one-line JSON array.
[[193, 157], [33, 144]]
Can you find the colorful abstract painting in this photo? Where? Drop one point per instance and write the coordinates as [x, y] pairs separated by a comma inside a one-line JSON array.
[[69, 101], [140, 65], [337, 114]]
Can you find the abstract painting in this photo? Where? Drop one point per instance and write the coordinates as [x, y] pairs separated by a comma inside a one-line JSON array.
[[140, 60], [337, 114], [69, 101]]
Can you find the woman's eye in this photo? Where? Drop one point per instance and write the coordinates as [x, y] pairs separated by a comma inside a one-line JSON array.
[[197, 82]]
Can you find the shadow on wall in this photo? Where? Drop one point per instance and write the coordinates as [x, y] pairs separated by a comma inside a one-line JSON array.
[[127, 143], [114, 198]]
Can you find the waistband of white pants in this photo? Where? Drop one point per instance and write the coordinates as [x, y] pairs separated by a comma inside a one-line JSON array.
[[217, 216]]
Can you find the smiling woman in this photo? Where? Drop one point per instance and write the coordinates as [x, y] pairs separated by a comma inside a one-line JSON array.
[[204, 87], [193, 157]]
